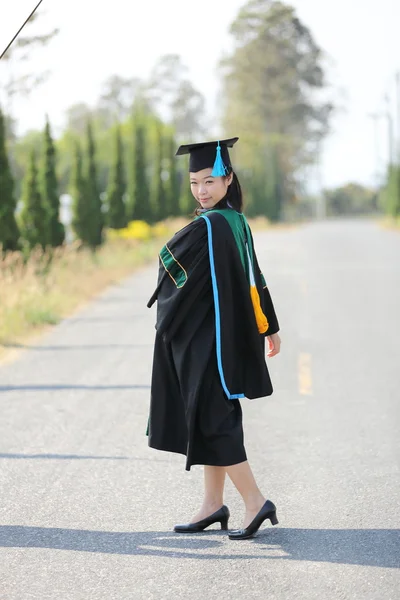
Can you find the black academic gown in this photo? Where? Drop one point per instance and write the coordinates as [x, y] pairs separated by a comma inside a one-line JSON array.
[[208, 352]]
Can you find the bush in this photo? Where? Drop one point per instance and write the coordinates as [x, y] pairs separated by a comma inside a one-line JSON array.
[[136, 230], [140, 230]]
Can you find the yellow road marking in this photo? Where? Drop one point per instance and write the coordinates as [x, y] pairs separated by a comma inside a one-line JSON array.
[[305, 374]]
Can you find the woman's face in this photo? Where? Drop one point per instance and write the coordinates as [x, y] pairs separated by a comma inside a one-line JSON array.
[[209, 190]]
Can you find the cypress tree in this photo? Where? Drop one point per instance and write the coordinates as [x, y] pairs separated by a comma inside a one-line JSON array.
[[159, 207], [80, 206], [116, 216], [187, 203], [173, 187], [139, 201], [49, 190], [9, 232], [34, 216], [96, 221]]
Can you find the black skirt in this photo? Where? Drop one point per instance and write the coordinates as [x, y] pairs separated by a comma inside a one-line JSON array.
[[189, 411]]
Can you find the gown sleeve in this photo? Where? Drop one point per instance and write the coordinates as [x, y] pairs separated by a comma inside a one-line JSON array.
[[184, 278], [266, 300], [269, 312]]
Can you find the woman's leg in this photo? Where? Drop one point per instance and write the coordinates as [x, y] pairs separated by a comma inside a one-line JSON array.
[[214, 481], [243, 479]]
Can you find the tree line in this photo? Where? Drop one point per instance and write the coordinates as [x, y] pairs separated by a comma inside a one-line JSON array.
[[143, 182]]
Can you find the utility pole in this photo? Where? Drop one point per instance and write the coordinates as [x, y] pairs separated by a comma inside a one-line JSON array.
[[375, 117], [390, 130], [398, 114]]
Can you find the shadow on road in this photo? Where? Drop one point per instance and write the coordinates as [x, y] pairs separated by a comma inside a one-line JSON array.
[[369, 547], [61, 457], [49, 388], [77, 347], [121, 319], [6, 456]]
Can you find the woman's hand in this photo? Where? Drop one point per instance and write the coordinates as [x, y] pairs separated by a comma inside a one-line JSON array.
[[274, 345]]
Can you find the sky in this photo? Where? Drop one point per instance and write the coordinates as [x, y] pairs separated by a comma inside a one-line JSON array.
[[359, 38]]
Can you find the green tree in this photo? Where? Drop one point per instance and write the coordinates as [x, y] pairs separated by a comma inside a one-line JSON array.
[[275, 188], [391, 192], [80, 206], [34, 216], [49, 190], [158, 199], [9, 233], [187, 203], [270, 88], [173, 184], [351, 198], [96, 221], [139, 197], [20, 152], [77, 120], [264, 185], [116, 216]]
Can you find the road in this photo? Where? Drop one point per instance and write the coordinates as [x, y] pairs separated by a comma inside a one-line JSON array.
[[86, 508]]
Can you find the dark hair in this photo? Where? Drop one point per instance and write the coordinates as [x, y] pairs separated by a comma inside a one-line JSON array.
[[232, 199]]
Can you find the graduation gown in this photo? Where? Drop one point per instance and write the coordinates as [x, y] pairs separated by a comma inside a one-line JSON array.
[[208, 350]]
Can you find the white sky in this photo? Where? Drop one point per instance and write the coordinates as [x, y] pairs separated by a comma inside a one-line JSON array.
[[97, 39]]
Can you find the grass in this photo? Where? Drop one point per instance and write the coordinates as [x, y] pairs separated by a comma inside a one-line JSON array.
[[50, 286]]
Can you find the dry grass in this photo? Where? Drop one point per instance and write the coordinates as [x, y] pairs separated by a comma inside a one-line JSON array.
[[390, 223], [259, 223], [50, 286]]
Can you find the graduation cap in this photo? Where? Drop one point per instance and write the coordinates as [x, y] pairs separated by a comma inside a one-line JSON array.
[[206, 155]]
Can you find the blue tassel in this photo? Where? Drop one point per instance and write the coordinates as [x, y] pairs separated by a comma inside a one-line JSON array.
[[219, 169]]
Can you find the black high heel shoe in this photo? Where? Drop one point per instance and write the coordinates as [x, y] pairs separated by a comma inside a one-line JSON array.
[[268, 511], [221, 516]]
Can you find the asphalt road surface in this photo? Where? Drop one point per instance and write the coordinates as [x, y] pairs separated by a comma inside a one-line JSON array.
[[87, 509]]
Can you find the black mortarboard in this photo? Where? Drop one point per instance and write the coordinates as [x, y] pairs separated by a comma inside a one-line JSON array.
[[206, 155]]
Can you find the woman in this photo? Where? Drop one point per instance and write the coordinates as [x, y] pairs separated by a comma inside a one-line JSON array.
[[214, 311]]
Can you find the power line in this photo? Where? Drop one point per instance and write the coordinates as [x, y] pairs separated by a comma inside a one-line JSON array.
[[21, 28]]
